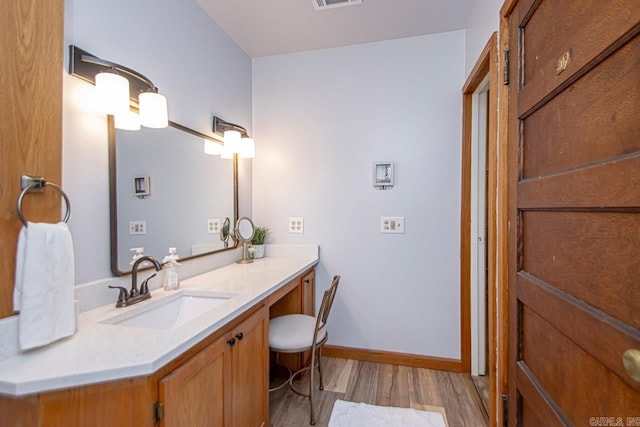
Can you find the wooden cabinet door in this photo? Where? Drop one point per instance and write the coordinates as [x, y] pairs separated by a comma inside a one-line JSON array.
[[250, 380], [574, 141], [309, 293], [198, 393], [308, 286]]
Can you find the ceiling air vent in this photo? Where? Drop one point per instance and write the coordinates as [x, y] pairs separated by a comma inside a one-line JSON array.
[[330, 4]]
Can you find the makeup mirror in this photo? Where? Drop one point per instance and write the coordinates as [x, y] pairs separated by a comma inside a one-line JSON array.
[[166, 192], [244, 233]]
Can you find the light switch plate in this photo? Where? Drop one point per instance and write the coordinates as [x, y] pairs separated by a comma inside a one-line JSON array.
[[392, 224], [137, 227], [296, 225]]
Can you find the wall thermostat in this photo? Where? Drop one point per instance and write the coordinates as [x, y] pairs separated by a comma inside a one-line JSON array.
[[383, 175]]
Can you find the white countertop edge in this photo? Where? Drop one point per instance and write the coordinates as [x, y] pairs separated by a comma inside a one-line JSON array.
[[101, 375]]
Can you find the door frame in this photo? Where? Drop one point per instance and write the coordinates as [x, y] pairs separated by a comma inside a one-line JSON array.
[[478, 259], [488, 64]]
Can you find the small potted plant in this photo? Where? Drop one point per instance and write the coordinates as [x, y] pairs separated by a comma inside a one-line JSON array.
[[260, 236]]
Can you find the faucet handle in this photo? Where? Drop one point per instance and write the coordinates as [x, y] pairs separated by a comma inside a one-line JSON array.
[[144, 287], [122, 296]]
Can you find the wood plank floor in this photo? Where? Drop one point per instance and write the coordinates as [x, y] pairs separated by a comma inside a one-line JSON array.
[[385, 385], [482, 387]]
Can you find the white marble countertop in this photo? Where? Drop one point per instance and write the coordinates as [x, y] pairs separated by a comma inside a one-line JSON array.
[[101, 352]]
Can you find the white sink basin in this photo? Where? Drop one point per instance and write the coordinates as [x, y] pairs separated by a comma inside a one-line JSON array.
[[171, 311]]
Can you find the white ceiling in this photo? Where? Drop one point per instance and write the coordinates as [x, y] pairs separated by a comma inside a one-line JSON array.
[[272, 27]]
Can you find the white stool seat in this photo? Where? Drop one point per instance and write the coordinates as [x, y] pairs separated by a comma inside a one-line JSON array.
[[293, 333]]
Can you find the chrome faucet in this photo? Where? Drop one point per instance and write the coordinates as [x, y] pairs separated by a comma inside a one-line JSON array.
[[127, 298]]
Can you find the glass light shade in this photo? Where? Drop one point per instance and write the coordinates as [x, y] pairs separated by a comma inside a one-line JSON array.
[[153, 110], [247, 148], [213, 148], [232, 140], [127, 121], [226, 154], [112, 91], [228, 147]]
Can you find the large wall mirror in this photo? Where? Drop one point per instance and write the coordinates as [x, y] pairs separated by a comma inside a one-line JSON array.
[[166, 192]]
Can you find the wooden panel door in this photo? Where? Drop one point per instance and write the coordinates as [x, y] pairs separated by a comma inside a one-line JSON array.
[[250, 371], [198, 393], [574, 263], [31, 48]]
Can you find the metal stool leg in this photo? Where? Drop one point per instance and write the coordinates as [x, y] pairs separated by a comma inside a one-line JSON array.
[[320, 367], [313, 360]]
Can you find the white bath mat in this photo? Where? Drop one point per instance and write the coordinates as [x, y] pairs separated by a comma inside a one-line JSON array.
[[349, 414]]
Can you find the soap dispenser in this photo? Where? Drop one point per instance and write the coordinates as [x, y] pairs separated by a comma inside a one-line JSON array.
[[171, 279]]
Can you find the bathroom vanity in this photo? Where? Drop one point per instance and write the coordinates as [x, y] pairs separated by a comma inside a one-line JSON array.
[[213, 367]]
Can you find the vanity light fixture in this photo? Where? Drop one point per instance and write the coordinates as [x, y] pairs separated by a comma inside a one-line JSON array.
[[112, 91], [120, 87], [212, 148], [232, 140], [247, 148], [127, 120], [227, 152], [153, 110], [236, 139]]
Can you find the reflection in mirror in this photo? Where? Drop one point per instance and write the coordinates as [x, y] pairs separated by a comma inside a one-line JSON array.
[[224, 232], [166, 192], [244, 232]]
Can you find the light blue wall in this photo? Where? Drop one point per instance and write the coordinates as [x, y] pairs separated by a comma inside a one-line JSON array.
[[483, 21], [191, 60], [321, 119]]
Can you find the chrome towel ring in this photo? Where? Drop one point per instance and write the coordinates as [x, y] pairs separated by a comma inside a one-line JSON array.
[[36, 184]]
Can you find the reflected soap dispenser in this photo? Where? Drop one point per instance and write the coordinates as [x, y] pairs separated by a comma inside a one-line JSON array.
[[171, 267], [139, 252]]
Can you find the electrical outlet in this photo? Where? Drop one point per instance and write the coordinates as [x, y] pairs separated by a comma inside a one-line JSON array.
[[137, 227], [213, 225], [392, 224], [296, 225]]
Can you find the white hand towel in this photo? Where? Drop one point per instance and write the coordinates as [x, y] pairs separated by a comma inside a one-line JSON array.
[[44, 288]]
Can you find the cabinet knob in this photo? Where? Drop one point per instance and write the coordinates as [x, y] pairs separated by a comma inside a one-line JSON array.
[[239, 335], [231, 341], [307, 281], [631, 361]]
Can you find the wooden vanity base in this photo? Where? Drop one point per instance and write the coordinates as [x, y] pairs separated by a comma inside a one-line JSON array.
[[222, 380]]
